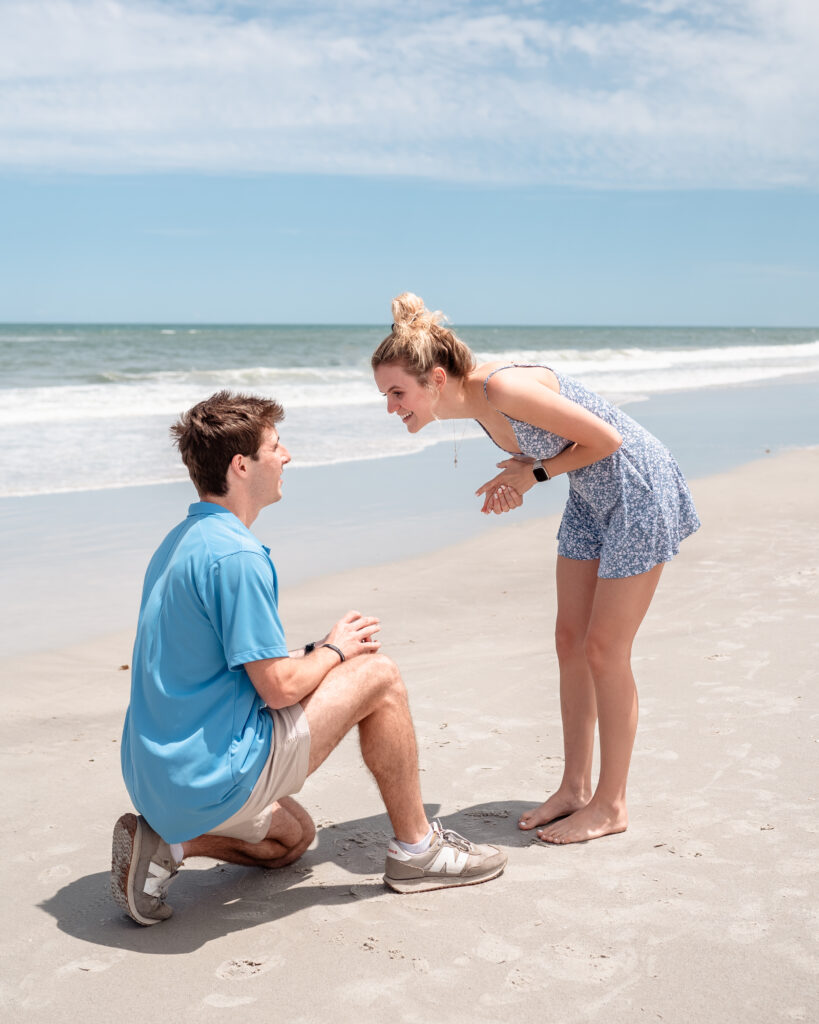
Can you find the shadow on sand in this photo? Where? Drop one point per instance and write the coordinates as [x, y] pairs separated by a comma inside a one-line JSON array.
[[224, 898]]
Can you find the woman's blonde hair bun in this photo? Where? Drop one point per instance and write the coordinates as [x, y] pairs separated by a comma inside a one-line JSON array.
[[408, 310], [419, 341]]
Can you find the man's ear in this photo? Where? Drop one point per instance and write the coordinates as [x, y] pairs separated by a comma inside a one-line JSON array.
[[238, 465]]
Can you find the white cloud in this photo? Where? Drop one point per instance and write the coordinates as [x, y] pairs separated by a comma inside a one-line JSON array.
[[646, 92]]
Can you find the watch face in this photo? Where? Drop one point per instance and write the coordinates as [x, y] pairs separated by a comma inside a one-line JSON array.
[[540, 473]]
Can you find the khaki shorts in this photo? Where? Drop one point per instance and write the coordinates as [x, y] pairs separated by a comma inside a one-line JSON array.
[[283, 774]]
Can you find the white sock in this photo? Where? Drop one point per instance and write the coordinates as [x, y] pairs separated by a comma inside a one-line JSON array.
[[420, 847], [177, 852]]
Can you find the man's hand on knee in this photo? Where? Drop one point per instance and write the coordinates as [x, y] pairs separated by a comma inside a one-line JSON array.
[[282, 682], [354, 635]]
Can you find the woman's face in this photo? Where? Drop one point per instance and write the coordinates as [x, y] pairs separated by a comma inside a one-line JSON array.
[[406, 396]]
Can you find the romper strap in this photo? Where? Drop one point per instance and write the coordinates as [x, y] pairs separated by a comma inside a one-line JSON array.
[[492, 374], [516, 366]]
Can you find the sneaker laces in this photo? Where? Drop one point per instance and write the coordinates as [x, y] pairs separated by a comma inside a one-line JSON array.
[[158, 880], [448, 835]]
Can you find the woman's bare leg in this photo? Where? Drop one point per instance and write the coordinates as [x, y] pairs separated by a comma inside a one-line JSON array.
[[576, 585], [619, 607]]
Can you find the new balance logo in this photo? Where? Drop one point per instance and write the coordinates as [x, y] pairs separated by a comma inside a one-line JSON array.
[[449, 861], [154, 886]]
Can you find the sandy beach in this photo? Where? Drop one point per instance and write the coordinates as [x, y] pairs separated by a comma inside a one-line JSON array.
[[704, 910], [416, 229]]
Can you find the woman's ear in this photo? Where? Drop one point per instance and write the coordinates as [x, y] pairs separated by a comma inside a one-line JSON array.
[[439, 377]]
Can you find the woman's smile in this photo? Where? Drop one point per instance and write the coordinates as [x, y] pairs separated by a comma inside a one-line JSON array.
[[406, 397]]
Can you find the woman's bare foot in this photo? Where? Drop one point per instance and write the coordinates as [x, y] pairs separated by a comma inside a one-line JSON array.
[[590, 822], [559, 805]]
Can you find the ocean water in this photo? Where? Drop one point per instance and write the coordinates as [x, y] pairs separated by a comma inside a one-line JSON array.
[[89, 406]]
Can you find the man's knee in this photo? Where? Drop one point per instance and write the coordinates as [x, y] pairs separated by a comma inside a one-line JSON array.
[[291, 824], [376, 675], [299, 843], [291, 831], [348, 695], [386, 668], [307, 829], [386, 678]]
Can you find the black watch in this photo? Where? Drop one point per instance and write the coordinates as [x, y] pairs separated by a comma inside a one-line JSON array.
[[309, 648], [540, 472]]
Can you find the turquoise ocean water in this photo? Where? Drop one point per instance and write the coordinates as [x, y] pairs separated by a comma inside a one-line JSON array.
[[88, 406]]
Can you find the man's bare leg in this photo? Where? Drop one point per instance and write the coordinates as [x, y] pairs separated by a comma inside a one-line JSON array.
[[291, 832], [576, 584], [368, 691]]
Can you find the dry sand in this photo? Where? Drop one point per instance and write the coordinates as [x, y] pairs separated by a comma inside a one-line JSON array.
[[705, 910]]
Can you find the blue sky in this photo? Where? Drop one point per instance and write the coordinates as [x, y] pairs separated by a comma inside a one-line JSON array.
[[550, 162]]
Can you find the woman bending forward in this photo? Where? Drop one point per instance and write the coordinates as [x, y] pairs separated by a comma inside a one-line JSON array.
[[628, 510]]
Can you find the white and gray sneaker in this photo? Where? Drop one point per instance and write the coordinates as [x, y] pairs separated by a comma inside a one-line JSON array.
[[450, 860], [142, 868]]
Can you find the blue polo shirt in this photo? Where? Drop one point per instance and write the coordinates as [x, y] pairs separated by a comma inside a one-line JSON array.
[[196, 736]]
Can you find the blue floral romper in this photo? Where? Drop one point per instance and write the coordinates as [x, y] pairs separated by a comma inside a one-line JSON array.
[[633, 508]]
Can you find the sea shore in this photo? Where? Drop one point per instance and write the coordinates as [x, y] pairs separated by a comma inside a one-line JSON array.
[[73, 563], [704, 910]]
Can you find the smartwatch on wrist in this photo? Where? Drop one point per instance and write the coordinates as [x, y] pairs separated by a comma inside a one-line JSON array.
[[540, 472], [309, 648]]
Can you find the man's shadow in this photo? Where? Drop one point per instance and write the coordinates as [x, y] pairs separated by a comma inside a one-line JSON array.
[[224, 898]]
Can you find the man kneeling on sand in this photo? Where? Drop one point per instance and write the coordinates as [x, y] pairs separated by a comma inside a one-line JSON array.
[[225, 724]]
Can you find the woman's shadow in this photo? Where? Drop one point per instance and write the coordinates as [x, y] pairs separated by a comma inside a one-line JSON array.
[[224, 898]]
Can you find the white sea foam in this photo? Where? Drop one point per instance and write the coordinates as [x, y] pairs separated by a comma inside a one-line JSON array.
[[673, 368], [621, 374], [109, 427], [169, 393], [29, 338]]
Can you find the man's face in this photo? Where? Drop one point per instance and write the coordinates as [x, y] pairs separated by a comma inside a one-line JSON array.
[[265, 470]]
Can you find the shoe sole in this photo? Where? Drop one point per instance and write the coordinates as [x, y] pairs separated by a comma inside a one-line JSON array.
[[125, 850], [406, 885]]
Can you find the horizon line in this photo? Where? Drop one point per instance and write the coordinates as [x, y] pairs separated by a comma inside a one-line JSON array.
[[355, 323]]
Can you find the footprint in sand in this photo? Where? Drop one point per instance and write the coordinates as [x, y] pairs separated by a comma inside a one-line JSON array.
[[771, 762], [49, 853], [226, 1002], [249, 967], [496, 951], [90, 966], [746, 932], [739, 752], [518, 980], [57, 871]]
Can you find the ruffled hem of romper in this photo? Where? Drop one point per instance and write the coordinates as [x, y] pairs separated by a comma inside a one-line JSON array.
[[675, 519]]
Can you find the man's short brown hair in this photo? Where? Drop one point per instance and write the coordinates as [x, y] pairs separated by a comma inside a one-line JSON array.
[[213, 431]]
